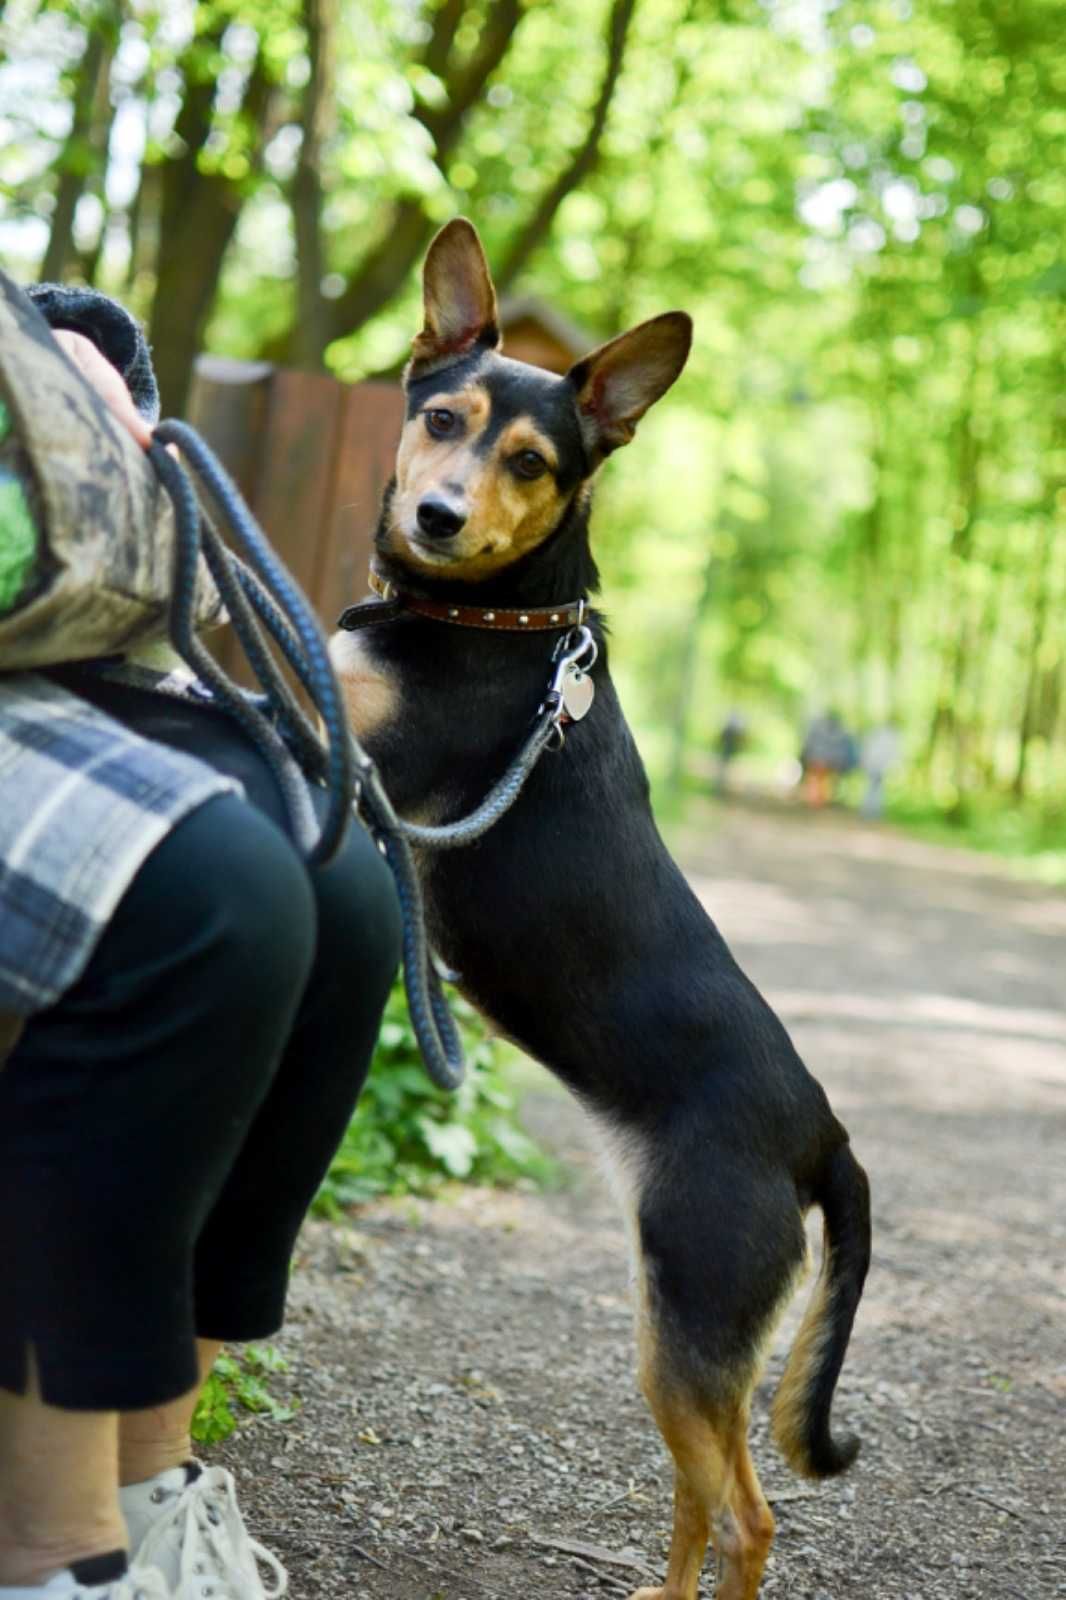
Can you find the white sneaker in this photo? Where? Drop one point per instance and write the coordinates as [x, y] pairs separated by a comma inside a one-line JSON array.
[[186, 1523], [65, 1585]]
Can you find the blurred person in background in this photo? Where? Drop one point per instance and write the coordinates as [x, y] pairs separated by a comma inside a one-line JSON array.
[[881, 748], [730, 742], [828, 752]]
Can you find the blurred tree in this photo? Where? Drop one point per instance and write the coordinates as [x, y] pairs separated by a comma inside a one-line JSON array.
[[859, 481], [311, 334], [82, 158], [535, 229], [408, 225], [203, 186]]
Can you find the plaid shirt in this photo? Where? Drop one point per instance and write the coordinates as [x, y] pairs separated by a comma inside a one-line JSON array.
[[83, 801]]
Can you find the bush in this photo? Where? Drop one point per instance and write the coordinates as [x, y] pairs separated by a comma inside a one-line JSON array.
[[408, 1137]]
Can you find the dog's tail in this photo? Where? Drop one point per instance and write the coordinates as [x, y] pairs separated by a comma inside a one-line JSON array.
[[800, 1418]]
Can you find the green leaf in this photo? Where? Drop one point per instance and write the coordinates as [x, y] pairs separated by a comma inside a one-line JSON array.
[[452, 1144]]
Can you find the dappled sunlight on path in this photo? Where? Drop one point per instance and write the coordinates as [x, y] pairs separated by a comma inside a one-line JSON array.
[[847, 924], [469, 1414]]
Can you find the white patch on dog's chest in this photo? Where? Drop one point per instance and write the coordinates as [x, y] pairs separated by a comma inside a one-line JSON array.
[[371, 694]]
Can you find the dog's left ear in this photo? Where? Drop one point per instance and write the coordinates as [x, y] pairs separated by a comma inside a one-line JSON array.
[[617, 383], [458, 300]]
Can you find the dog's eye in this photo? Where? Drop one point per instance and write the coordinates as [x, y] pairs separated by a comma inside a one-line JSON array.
[[441, 423], [529, 464]]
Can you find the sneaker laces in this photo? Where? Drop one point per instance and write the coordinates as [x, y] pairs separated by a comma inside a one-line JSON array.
[[148, 1584], [217, 1556]]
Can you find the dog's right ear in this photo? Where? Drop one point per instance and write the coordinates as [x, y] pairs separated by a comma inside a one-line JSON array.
[[459, 302]]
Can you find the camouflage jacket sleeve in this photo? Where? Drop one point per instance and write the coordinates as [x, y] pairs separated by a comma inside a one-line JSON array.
[[119, 339]]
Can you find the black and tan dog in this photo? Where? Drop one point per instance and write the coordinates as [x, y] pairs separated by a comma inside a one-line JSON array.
[[572, 928]]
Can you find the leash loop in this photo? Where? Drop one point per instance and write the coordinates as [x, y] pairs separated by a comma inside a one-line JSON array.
[[266, 593], [312, 660]]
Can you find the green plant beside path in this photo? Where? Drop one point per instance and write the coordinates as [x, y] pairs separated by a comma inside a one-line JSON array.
[[238, 1382], [407, 1137]]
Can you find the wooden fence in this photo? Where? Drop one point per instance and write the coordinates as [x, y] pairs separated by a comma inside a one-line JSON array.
[[311, 456]]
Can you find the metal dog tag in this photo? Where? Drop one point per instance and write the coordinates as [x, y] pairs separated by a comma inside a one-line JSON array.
[[578, 692]]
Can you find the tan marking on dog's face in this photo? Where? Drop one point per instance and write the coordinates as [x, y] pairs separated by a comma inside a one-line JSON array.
[[472, 404], [507, 515], [370, 696], [523, 434]]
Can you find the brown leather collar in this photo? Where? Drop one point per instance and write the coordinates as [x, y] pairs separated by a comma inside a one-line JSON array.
[[531, 620]]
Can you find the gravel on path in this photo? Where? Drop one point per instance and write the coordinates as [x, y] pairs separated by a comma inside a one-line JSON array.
[[468, 1425]]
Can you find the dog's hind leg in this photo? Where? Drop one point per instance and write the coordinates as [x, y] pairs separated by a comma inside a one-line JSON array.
[[717, 1500], [688, 1545], [745, 1545], [706, 1311]]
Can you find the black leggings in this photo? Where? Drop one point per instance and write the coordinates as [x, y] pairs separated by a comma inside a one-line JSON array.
[[164, 1126]]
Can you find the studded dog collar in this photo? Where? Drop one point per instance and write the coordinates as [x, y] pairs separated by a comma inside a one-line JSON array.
[[532, 619]]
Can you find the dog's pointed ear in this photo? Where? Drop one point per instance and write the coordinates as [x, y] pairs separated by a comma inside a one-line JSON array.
[[458, 300], [617, 383]]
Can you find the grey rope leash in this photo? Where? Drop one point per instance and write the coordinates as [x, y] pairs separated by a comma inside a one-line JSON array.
[[576, 650], [298, 729], [294, 794], [343, 765], [317, 672]]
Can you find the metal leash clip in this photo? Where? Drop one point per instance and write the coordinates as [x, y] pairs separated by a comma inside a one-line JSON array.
[[572, 690]]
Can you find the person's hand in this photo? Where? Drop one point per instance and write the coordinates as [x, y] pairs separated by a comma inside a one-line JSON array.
[[97, 370]]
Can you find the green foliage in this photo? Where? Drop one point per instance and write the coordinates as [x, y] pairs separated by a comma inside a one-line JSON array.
[[238, 1381], [1031, 838], [859, 482], [408, 1137]]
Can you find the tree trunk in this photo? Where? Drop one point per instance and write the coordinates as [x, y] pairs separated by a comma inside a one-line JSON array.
[[465, 83], [85, 146], [949, 713], [1041, 606], [906, 574], [312, 324], [198, 215], [980, 686], [408, 228], [439, 45], [89, 260], [143, 222], [962, 547], [689, 663], [583, 160], [870, 576]]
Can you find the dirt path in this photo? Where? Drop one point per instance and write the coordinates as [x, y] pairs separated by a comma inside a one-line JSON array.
[[465, 1369]]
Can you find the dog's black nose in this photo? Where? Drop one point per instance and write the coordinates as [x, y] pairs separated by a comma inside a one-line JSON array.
[[438, 520]]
